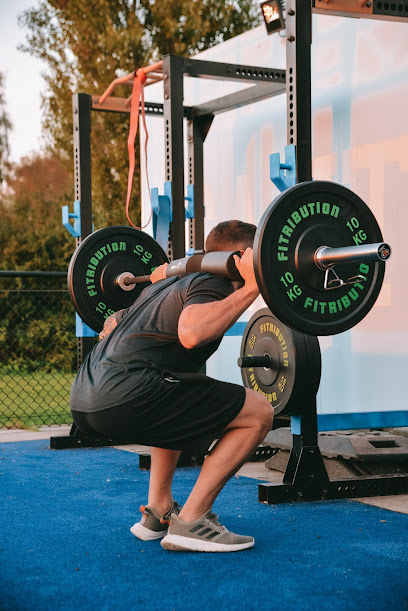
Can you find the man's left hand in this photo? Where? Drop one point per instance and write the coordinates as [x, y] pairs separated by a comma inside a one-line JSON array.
[[159, 273], [109, 324]]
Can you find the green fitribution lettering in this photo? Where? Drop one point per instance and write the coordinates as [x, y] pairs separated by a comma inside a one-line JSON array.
[[94, 261], [303, 212], [268, 327], [103, 251]]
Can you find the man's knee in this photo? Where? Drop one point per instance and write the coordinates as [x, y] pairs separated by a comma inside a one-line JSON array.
[[258, 410], [264, 411]]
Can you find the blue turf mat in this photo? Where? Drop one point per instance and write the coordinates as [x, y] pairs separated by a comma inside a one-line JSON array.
[[65, 543]]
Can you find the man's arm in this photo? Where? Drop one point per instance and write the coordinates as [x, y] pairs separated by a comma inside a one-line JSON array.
[[112, 320], [202, 323]]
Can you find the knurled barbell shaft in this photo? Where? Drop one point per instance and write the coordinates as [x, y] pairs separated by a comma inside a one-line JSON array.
[[326, 257], [255, 361]]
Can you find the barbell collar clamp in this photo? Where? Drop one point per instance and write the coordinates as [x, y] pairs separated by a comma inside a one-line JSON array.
[[326, 257]]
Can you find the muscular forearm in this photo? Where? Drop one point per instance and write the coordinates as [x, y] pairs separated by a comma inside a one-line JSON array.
[[200, 324]]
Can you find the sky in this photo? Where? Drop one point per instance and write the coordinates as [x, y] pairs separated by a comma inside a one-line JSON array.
[[23, 81]]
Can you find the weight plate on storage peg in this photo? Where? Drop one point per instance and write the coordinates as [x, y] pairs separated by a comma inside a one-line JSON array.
[[300, 293], [98, 266], [293, 376]]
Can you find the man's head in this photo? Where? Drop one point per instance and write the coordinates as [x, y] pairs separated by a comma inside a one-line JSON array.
[[230, 235]]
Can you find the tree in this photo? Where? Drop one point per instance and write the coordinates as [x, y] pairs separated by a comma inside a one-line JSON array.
[[86, 45], [36, 323], [31, 233], [5, 127]]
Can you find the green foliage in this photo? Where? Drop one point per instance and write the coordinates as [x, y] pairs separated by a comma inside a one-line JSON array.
[[86, 45], [37, 322], [37, 327], [31, 233]]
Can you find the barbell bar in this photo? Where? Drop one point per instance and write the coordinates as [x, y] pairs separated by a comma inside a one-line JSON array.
[[305, 233], [222, 263]]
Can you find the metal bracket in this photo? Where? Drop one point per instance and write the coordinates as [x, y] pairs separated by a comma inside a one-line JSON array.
[[190, 202], [75, 228], [163, 211], [82, 330], [162, 214], [283, 175]]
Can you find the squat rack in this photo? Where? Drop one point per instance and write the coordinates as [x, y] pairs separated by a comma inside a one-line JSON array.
[[306, 476], [262, 83], [265, 83]]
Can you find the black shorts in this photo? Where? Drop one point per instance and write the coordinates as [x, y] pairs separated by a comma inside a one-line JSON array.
[[184, 412]]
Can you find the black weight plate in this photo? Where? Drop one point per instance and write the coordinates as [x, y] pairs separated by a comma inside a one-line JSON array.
[[295, 225], [99, 260], [294, 376]]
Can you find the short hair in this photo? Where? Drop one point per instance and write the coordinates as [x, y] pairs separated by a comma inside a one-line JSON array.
[[228, 235]]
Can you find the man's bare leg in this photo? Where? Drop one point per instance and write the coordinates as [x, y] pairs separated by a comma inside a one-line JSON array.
[[162, 467], [241, 438]]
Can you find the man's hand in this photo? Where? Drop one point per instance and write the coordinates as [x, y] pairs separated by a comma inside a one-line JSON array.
[[245, 266], [109, 324], [202, 323], [159, 273]]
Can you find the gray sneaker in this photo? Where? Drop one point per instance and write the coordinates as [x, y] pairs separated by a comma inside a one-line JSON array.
[[203, 535], [151, 526]]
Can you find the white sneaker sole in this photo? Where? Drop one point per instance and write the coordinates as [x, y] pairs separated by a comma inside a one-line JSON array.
[[177, 543], [145, 534]]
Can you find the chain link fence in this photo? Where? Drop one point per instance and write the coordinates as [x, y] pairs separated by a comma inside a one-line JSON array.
[[38, 355]]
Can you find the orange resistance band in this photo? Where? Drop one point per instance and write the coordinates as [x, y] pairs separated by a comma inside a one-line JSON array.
[[137, 100]]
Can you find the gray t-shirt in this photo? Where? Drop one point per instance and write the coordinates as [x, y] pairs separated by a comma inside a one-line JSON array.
[[146, 338]]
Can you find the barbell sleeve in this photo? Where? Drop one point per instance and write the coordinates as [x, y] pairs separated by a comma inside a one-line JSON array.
[[128, 279], [255, 361], [326, 257]]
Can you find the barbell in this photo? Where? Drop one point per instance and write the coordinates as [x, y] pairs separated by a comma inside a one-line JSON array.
[[318, 258]]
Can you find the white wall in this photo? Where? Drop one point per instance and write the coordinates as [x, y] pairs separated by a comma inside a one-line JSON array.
[[360, 139]]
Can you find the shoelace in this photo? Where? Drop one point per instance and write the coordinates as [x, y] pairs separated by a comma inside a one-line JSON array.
[[212, 520]]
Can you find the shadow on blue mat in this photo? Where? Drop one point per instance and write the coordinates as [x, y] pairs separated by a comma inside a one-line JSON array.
[[65, 543]]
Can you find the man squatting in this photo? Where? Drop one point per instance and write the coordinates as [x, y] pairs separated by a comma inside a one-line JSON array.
[[141, 384]]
